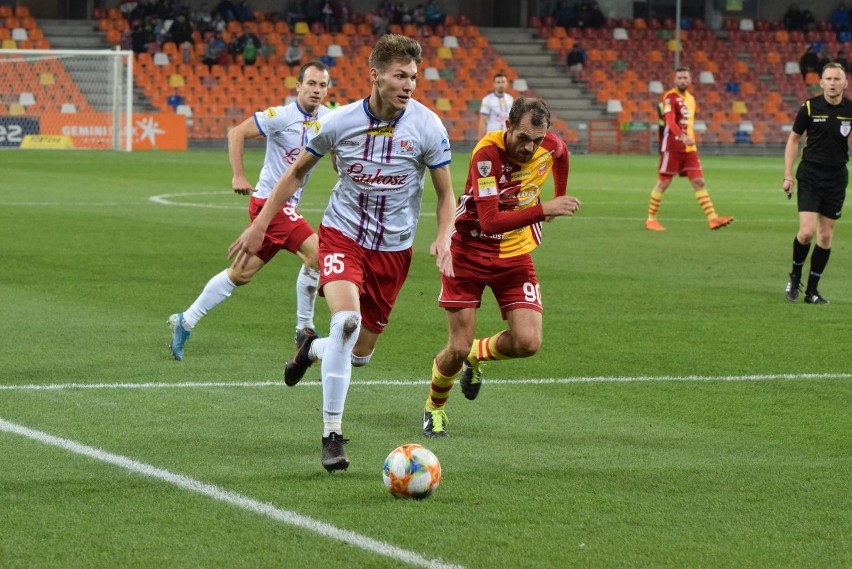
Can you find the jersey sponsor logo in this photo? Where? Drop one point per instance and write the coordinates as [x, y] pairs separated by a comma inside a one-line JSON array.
[[356, 174], [313, 124], [406, 146], [520, 175], [845, 128], [348, 143], [381, 131], [542, 167], [291, 155], [525, 196], [270, 112], [487, 187], [445, 144], [483, 167]]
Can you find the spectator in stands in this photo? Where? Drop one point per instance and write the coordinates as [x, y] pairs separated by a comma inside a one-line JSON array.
[[332, 102], [824, 59], [576, 59], [202, 19], [563, 14], [495, 107], [215, 51], [328, 16], [589, 15], [180, 32], [293, 57], [140, 37], [809, 62], [794, 19], [175, 99], [243, 12], [841, 58], [247, 45], [840, 18], [227, 10], [679, 155], [418, 16], [379, 23], [435, 14], [341, 14]]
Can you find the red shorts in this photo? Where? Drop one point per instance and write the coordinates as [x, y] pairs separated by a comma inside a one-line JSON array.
[[512, 280], [378, 274], [680, 164], [287, 230]]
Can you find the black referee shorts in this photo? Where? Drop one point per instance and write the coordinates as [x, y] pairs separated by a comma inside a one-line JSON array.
[[820, 190]]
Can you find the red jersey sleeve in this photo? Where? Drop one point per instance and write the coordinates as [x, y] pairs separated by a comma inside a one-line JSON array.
[[559, 152], [485, 167], [671, 115]]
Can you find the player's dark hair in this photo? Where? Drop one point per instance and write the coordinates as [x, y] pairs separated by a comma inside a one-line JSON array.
[[833, 65], [394, 47], [681, 69], [499, 74], [313, 63], [537, 109]]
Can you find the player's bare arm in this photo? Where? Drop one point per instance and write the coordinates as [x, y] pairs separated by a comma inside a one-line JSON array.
[[440, 248], [249, 242], [790, 153], [237, 137]]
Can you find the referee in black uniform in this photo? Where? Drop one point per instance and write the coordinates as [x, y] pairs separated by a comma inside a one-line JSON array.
[[822, 177]]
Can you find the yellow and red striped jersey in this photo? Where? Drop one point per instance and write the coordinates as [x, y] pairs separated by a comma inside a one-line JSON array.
[[500, 213]]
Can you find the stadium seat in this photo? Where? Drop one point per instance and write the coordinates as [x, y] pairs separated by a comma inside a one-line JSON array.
[[334, 50], [301, 29], [746, 126], [655, 87], [451, 42], [520, 85], [706, 78], [431, 74], [26, 99], [68, 108], [20, 34], [791, 68], [746, 25], [614, 106], [699, 126], [620, 34], [161, 58]]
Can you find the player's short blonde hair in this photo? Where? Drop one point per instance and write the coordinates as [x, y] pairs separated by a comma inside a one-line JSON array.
[[833, 65], [394, 47]]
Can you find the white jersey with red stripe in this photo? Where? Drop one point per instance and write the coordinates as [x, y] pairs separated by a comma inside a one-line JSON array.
[[381, 171], [286, 129]]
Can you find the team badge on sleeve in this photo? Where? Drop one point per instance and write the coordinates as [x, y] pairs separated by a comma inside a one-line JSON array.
[[484, 167], [270, 112], [487, 186], [845, 127]]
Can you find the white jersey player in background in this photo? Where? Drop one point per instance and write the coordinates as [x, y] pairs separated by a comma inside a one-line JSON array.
[[286, 129], [383, 146], [495, 107]]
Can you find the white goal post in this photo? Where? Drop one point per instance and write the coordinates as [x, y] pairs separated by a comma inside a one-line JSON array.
[[66, 98]]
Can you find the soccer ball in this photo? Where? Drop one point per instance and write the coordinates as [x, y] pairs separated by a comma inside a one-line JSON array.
[[411, 471]]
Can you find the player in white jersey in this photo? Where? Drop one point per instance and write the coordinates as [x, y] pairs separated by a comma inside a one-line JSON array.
[[383, 146], [494, 111], [286, 129]]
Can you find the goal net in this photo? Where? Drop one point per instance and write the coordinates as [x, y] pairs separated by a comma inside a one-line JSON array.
[[66, 98]]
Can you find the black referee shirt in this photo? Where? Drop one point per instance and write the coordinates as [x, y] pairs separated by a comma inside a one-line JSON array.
[[828, 127]]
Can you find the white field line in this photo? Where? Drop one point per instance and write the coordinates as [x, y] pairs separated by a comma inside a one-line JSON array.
[[229, 497], [421, 382]]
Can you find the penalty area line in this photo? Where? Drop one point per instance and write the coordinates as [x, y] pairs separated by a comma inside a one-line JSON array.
[[233, 498], [421, 382]]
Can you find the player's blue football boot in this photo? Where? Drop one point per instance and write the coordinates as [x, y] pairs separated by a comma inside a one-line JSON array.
[[179, 335]]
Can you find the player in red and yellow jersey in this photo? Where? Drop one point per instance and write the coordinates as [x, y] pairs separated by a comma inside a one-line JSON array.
[[679, 155], [498, 223]]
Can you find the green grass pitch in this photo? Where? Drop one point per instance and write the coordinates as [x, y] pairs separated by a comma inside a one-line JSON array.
[[679, 414]]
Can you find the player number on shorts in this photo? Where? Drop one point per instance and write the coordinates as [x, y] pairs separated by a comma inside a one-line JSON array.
[[532, 293], [332, 264], [291, 213]]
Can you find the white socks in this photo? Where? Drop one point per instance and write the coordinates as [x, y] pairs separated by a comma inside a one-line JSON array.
[[337, 366], [306, 296], [215, 292]]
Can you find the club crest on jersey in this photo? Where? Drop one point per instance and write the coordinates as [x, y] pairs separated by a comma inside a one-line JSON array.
[[406, 146], [845, 127], [484, 167], [270, 112]]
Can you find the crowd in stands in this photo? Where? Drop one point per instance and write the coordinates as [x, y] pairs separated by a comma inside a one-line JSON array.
[[583, 14]]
